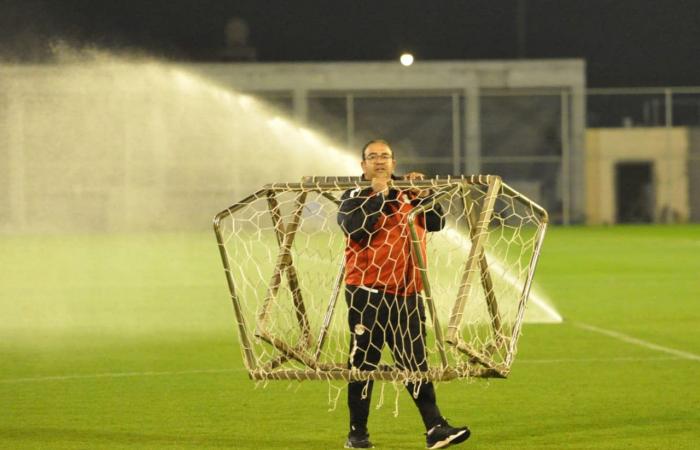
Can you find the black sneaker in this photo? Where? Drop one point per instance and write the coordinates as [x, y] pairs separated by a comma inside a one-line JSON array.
[[358, 440], [444, 435]]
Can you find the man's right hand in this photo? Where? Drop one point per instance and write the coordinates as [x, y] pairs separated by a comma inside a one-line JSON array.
[[380, 185]]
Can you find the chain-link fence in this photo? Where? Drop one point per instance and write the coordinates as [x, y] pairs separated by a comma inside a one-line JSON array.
[[520, 135], [525, 136]]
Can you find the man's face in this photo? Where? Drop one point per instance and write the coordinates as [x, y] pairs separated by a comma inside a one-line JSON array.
[[379, 161]]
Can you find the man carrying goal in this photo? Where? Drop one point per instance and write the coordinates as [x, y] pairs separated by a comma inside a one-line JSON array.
[[382, 286]]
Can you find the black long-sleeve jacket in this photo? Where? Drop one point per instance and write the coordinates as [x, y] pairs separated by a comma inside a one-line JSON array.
[[379, 251]]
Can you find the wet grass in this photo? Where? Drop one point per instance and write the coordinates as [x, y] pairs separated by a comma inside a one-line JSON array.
[[128, 341]]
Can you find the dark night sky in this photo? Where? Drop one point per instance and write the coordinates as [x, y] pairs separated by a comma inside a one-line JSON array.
[[625, 42]]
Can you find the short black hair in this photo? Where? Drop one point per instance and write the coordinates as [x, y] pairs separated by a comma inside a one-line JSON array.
[[376, 141]]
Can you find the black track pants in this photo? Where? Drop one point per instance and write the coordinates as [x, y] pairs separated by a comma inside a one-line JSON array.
[[378, 318]]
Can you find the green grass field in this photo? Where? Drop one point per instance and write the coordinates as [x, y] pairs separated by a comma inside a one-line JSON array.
[[128, 341]]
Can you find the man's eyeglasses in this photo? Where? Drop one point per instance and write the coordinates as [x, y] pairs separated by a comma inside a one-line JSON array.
[[378, 157]]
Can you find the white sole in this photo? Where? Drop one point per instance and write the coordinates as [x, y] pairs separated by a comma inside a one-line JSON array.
[[447, 441]]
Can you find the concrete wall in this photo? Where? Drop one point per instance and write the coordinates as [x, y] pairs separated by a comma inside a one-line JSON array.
[[694, 173], [666, 148]]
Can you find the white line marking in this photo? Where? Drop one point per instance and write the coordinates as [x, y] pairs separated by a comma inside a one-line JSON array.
[[115, 375], [620, 359], [640, 342]]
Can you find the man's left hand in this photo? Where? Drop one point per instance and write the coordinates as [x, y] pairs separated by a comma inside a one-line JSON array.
[[417, 176]]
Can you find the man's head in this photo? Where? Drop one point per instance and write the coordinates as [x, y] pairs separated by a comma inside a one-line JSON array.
[[377, 159]]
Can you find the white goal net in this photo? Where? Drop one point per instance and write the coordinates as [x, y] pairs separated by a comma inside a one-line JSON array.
[[287, 253]]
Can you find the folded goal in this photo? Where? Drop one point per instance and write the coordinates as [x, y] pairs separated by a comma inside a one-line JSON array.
[[283, 254]]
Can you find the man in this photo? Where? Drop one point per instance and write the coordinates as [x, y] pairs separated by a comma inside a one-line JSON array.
[[382, 283]]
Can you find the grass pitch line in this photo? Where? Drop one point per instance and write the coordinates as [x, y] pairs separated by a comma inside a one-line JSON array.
[[208, 371], [640, 342], [116, 375], [620, 359]]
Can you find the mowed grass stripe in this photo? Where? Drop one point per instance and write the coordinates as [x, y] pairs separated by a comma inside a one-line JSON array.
[[621, 360], [161, 307]]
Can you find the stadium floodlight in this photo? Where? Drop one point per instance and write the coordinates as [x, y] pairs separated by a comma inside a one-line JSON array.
[[406, 59], [283, 256]]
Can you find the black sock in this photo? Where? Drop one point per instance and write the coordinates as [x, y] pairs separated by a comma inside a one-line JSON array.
[[427, 404]]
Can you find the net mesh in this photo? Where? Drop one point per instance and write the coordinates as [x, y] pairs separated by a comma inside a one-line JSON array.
[[430, 282]]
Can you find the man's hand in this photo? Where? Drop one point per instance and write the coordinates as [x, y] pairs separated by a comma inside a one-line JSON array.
[[380, 184], [417, 176]]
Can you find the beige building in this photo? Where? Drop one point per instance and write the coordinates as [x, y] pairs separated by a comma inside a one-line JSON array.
[[637, 173]]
